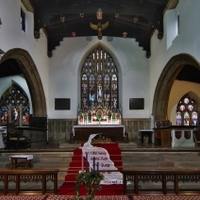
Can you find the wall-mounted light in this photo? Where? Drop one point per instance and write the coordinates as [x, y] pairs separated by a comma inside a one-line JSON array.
[[0, 22]]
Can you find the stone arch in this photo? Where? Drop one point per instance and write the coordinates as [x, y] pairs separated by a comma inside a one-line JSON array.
[[165, 82], [31, 74]]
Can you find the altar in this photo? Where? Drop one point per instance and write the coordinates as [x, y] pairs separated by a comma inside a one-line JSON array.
[[80, 133]]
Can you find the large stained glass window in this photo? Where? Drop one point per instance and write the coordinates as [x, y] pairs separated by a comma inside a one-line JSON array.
[[187, 112], [99, 80], [14, 105]]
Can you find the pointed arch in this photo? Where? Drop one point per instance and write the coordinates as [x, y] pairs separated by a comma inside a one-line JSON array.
[[31, 74], [86, 51], [165, 82]]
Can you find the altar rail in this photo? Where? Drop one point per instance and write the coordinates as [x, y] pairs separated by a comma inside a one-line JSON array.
[[163, 176], [25, 176]]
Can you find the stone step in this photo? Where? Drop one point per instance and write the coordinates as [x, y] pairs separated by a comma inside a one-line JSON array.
[[130, 159], [160, 160]]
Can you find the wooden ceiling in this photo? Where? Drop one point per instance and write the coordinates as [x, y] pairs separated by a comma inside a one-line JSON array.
[[138, 18]]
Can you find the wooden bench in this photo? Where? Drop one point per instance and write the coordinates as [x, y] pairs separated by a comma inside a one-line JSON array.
[[25, 176], [163, 176]]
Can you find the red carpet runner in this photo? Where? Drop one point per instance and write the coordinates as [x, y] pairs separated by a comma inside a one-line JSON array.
[[67, 188]]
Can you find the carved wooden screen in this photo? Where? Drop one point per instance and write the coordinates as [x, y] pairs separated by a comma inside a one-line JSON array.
[[99, 80]]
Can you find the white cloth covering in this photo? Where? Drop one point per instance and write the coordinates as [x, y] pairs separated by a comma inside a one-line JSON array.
[[102, 161]]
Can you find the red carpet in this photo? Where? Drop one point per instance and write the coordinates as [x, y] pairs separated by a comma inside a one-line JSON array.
[[67, 188], [71, 197]]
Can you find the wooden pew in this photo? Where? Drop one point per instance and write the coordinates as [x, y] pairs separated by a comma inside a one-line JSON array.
[[163, 176], [19, 176]]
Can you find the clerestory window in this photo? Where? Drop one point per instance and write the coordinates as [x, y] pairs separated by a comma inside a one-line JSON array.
[[99, 80]]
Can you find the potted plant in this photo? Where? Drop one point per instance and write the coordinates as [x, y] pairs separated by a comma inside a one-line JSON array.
[[91, 180]]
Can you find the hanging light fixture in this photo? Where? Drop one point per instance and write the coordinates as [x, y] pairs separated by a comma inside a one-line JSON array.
[[99, 14], [62, 19], [81, 15], [125, 34], [135, 19], [73, 34], [116, 15]]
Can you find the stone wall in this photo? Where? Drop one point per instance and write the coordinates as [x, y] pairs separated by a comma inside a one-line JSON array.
[[133, 127], [60, 130]]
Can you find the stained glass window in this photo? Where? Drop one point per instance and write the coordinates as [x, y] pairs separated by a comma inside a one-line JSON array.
[[187, 112], [99, 80], [14, 105]]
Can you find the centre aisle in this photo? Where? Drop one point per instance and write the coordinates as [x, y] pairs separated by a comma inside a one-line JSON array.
[[110, 186]]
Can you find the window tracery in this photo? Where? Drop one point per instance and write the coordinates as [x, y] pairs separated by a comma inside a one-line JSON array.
[[14, 105], [99, 80], [187, 112]]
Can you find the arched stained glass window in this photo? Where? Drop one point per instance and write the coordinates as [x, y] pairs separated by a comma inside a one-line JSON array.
[[99, 80], [14, 105], [186, 112]]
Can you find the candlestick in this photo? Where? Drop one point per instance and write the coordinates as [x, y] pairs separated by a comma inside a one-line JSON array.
[[82, 163], [97, 166], [86, 164], [93, 163]]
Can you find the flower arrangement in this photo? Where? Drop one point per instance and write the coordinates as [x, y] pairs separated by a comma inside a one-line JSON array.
[[91, 180]]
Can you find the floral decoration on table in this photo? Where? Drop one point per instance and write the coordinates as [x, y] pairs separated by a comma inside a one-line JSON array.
[[91, 180]]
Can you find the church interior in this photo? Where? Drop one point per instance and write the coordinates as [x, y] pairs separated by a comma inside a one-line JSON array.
[[103, 87]]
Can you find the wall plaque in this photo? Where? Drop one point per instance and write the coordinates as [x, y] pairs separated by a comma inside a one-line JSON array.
[[62, 104], [136, 103]]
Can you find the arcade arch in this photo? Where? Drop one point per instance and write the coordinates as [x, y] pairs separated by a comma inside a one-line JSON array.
[[32, 77], [166, 81]]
